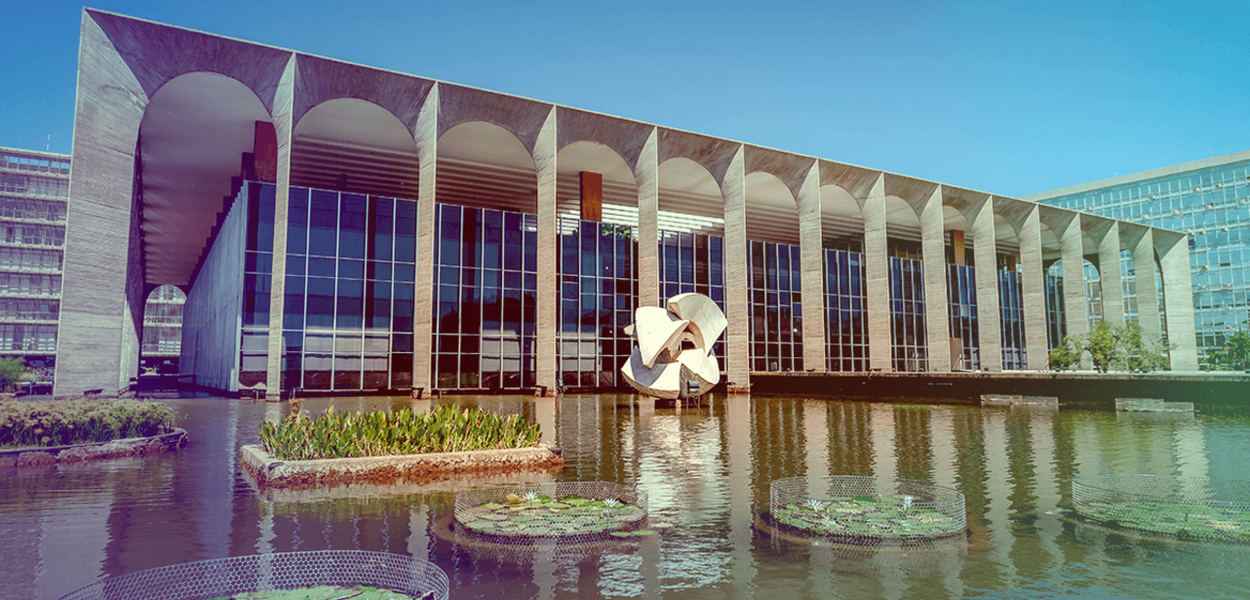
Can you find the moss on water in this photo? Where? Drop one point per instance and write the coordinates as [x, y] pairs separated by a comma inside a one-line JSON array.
[[328, 592]]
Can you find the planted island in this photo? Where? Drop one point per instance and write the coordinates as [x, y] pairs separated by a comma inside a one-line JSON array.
[[1190, 508], [384, 447], [857, 509], [565, 511]]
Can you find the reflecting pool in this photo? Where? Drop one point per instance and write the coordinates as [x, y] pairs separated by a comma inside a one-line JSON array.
[[707, 471]]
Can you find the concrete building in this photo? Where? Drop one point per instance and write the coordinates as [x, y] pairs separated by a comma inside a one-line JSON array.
[[339, 227], [1208, 200], [34, 187]]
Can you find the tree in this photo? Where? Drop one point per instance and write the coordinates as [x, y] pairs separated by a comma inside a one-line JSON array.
[[1067, 354], [1122, 348], [1237, 350], [12, 371]]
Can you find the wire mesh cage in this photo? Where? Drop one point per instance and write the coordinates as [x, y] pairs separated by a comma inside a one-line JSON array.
[[568, 511], [1194, 508], [861, 509], [227, 577]]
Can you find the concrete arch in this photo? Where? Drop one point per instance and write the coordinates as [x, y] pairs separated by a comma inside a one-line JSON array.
[[841, 217], [772, 211], [354, 145], [690, 198], [192, 138], [902, 220], [1006, 236], [523, 119], [620, 187], [322, 80], [482, 164]]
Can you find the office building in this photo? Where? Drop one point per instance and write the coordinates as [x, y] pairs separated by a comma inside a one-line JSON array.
[[1208, 200], [34, 187]]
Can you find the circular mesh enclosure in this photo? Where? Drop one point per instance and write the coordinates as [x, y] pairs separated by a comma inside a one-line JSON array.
[[865, 509], [1193, 508], [227, 577], [563, 512]]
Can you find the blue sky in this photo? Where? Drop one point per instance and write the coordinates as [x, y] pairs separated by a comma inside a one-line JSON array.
[[1009, 98]]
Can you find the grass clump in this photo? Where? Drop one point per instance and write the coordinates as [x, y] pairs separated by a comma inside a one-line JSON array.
[[387, 433], [66, 422]]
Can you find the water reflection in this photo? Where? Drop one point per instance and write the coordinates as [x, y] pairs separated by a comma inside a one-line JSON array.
[[707, 470]]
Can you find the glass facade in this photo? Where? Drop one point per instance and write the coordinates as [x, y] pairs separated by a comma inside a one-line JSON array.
[[598, 293], [691, 262], [486, 278], [349, 284], [909, 348], [1011, 319], [776, 307], [1212, 205], [846, 322], [961, 296], [1056, 316]]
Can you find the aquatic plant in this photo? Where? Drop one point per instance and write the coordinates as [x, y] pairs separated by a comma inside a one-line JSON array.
[[65, 422], [867, 517], [545, 517], [1224, 521], [385, 433]]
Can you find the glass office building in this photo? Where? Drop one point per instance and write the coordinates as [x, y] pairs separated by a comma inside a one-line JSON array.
[[1208, 199]]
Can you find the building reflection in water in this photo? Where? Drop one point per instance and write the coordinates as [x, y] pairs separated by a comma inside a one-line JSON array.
[[707, 471]]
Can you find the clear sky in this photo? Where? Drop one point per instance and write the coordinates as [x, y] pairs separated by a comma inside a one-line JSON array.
[[1009, 98]]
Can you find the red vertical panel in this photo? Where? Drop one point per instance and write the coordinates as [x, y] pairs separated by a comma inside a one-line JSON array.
[[266, 151], [591, 195]]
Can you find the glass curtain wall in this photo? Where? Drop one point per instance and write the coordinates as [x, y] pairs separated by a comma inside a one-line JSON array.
[[486, 288], [1011, 318], [961, 292], [846, 335], [776, 307], [351, 264], [257, 270], [598, 293], [907, 311], [1056, 317], [691, 262]]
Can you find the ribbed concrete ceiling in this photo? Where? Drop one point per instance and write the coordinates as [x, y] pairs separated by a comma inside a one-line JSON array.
[[357, 146], [192, 138]]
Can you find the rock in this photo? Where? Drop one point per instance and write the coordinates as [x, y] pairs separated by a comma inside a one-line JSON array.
[[35, 459]]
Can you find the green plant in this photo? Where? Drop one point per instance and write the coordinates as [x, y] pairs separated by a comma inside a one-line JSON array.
[[383, 433], [1067, 354], [12, 372], [1112, 348], [65, 422], [1237, 350]]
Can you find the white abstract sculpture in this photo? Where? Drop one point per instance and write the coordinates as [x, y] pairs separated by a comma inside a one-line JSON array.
[[674, 350]]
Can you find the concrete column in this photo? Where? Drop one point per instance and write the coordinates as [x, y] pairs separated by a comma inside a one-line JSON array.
[[877, 273], [647, 176], [985, 250], [1033, 288], [812, 253], [1109, 276], [1147, 290], [284, 126], [548, 257], [1075, 304], [426, 137], [93, 349], [1178, 297], [738, 335], [936, 300]]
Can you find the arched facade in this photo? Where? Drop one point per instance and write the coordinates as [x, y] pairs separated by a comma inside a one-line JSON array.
[[462, 160]]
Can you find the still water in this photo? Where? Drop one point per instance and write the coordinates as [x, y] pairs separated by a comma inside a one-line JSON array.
[[707, 471]]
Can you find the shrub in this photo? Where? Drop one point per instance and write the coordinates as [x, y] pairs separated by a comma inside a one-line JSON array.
[[65, 422], [383, 433], [12, 371]]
